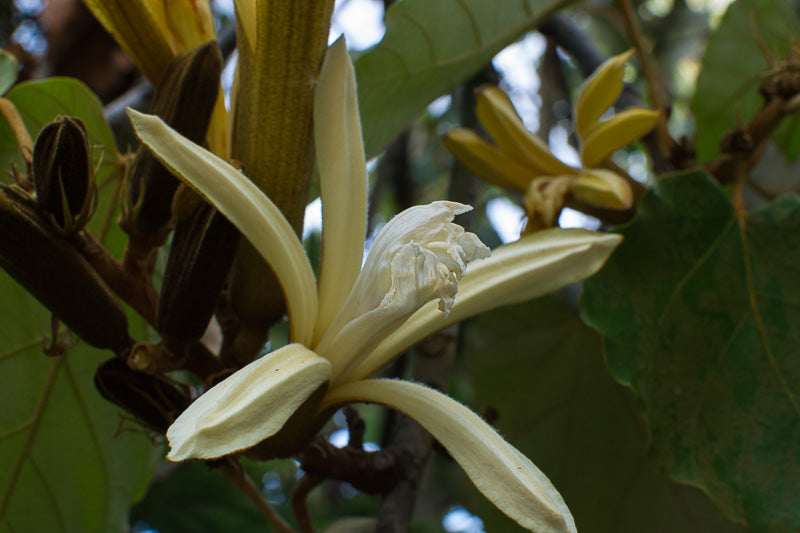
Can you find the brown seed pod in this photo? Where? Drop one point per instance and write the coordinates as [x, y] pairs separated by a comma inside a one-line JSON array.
[[63, 176], [55, 273], [185, 100]]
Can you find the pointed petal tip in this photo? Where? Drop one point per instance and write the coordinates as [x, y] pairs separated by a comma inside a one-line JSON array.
[[501, 472]]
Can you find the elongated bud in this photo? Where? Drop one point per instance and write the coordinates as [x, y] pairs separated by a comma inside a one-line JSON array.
[[201, 255], [184, 100], [497, 114], [599, 92], [153, 399], [56, 274], [63, 174]]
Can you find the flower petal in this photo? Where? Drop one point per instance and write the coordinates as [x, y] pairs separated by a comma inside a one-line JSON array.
[[620, 130], [249, 406], [497, 114], [602, 188], [599, 92], [247, 208], [417, 257], [139, 31], [533, 266], [544, 200], [342, 182], [505, 476], [487, 160], [190, 23]]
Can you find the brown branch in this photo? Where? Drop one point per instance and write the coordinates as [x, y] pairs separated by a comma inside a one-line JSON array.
[[137, 291], [742, 147], [299, 501], [665, 142], [234, 472], [411, 444]]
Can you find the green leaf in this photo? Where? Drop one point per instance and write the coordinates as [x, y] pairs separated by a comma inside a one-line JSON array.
[[431, 46], [65, 466], [9, 69], [67, 463], [543, 371], [40, 101], [734, 66], [701, 321]]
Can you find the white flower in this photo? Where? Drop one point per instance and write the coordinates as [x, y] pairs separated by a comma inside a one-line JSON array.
[[354, 321]]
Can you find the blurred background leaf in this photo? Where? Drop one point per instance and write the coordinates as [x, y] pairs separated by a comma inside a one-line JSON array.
[[734, 65], [701, 321], [429, 48], [9, 69], [542, 370], [39, 102]]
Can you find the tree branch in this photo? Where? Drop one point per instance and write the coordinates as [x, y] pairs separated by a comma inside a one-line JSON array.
[[234, 472]]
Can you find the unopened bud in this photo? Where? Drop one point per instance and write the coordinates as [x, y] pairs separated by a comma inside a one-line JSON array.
[[63, 175], [185, 100], [153, 399]]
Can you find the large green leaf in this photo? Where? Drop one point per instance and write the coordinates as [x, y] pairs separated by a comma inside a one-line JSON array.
[[431, 46], [701, 320], [733, 67], [543, 371], [65, 466], [40, 101]]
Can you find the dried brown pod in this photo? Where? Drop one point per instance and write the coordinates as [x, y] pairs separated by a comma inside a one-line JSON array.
[[55, 273], [63, 176]]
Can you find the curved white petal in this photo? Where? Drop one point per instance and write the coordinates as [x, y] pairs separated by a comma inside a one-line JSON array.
[[259, 220], [533, 266], [505, 476], [342, 182], [249, 406], [417, 257]]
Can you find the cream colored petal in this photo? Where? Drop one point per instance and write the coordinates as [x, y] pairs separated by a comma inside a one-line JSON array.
[[342, 181], [599, 92], [417, 257], [249, 406], [620, 130], [497, 114], [259, 220], [505, 476], [533, 266]]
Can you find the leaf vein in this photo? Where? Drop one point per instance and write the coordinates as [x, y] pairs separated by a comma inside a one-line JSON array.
[[49, 492], [92, 430], [26, 449]]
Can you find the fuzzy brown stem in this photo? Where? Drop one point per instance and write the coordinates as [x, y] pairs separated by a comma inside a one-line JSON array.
[[137, 291], [234, 472]]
